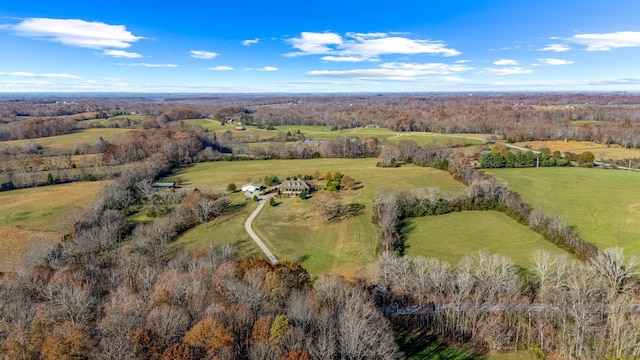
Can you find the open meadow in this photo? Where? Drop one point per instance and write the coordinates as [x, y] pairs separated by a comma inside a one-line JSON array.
[[452, 236], [33, 216], [325, 132], [70, 141], [293, 232], [604, 205]]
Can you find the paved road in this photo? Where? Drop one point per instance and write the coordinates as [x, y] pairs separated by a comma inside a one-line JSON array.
[[256, 239]]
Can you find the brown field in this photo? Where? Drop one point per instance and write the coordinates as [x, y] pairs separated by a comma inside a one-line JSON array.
[[15, 242], [33, 217], [601, 151], [560, 145]]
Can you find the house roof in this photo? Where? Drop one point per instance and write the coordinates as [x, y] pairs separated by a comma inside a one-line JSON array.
[[294, 185]]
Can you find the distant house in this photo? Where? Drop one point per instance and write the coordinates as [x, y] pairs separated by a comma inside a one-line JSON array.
[[163, 185], [294, 187], [240, 127], [251, 187]]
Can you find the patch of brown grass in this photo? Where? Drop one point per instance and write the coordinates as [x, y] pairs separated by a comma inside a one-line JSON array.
[[15, 242], [560, 145]]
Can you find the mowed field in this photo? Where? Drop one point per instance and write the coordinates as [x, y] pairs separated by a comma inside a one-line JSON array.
[[29, 217], [325, 132], [292, 231], [449, 237], [604, 205], [70, 141]]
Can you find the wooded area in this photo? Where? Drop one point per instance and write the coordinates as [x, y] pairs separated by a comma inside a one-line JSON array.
[[114, 289]]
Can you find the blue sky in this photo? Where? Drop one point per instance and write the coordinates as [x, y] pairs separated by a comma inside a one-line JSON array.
[[324, 46]]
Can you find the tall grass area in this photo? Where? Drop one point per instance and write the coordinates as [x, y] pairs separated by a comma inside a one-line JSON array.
[[292, 231], [604, 205], [449, 237]]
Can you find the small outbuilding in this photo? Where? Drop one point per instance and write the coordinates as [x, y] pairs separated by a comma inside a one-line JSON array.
[[163, 185], [253, 187], [294, 187]]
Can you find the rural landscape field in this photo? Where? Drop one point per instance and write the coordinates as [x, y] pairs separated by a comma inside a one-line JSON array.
[[418, 220], [305, 181]]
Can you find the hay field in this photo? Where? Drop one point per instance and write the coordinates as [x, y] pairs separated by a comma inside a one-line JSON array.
[[33, 217]]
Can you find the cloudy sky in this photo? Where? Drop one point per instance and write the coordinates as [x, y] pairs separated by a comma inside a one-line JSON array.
[[319, 46]]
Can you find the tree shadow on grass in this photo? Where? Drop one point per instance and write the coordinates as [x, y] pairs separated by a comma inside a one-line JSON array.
[[417, 345], [405, 228]]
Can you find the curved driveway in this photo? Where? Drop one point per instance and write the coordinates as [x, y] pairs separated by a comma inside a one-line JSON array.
[[256, 239]]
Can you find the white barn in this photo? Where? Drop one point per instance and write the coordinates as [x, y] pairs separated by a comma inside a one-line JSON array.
[[251, 187]]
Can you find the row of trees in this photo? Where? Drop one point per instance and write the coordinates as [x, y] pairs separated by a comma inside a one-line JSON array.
[[514, 117], [525, 159], [115, 290], [558, 306]]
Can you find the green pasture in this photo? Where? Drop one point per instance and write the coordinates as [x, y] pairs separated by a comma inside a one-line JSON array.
[[225, 229], [70, 141], [33, 218], [450, 237], [42, 208], [211, 125], [293, 232], [604, 205], [426, 138]]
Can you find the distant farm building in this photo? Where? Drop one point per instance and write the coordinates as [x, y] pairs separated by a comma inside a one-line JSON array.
[[253, 187], [163, 185], [240, 127], [294, 187]]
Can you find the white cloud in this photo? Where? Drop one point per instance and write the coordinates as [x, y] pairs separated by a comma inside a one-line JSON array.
[[513, 70], [250, 42], [202, 54], [111, 79], [395, 45], [462, 61], [121, 54], [364, 46], [74, 32], [556, 48], [149, 65], [221, 68], [608, 41], [395, 71], [347, 58], [266, 68], [34, 75], [314, 43], [427, 68], [555, 62], [506, 62]]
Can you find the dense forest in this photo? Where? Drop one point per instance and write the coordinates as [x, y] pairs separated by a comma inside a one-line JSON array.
[[117, 290]]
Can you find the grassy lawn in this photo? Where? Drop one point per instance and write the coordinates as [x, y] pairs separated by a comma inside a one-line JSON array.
[[449, 237], [70, 141], [208, 124], [293, 232], [426, 138], [227, 229], [604, 205], [32, 217]]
